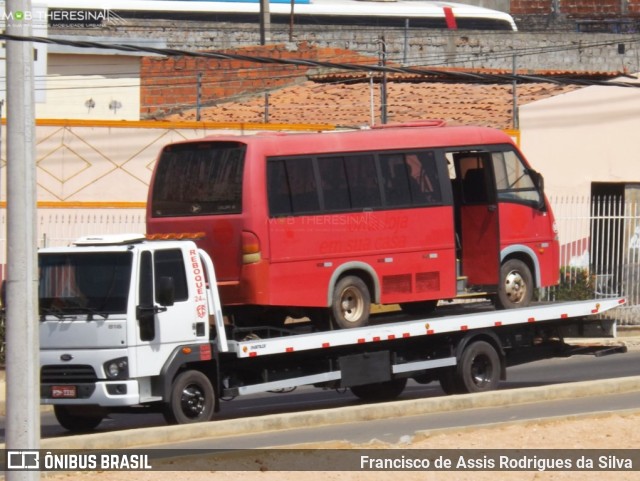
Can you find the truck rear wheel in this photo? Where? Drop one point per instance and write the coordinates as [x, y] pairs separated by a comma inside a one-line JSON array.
[[478, 368], [78, 419], [383, 391], [351, 303], [192, 399], [516, 285]]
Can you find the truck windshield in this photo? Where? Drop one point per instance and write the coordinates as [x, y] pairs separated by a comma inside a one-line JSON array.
[[95, 284]]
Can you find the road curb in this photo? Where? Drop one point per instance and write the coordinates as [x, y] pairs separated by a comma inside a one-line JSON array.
[[361, 413]]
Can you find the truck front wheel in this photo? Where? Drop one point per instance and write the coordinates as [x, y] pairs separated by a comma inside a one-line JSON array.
[[192, 399], [78, 419]]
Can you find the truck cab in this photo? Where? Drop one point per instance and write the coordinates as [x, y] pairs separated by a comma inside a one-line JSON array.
[[120, 317]]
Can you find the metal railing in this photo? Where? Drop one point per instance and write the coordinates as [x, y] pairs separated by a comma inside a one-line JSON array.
[[599, 251]]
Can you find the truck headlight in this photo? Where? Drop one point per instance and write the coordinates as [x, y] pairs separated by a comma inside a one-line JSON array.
[[117, 368]]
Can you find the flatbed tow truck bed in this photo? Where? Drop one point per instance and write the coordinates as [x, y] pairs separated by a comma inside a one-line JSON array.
[[431, 348], [423, 327]]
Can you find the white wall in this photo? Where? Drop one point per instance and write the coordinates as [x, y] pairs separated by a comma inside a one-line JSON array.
[[78, 164], [74, 79], [591, 134]]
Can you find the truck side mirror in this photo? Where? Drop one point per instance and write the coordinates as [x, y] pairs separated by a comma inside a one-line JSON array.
[[165, 291]]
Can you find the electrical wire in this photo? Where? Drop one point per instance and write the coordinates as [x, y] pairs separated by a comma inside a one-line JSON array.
[[451, 75]]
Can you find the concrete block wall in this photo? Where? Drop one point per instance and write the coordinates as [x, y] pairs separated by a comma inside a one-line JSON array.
[[540, 50], [494, 50]]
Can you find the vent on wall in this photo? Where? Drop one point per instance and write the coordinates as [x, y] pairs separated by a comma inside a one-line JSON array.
[[427, 281], [396, 284]]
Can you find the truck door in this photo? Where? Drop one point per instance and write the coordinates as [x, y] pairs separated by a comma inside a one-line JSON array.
[[477, 223], [162, 324]]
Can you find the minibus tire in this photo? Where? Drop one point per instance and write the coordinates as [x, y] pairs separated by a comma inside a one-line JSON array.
[[516, 285], [351, 303], [192, 399]]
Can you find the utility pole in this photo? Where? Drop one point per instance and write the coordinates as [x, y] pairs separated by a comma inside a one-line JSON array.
[[383, 83], [515, 114], [265, 22], [22, 339], [291, 20], [198, 96]]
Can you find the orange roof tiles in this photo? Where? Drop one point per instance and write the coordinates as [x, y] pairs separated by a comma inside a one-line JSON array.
[[350, 104]]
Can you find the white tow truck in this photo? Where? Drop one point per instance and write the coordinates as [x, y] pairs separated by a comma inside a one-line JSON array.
[[128, 324]]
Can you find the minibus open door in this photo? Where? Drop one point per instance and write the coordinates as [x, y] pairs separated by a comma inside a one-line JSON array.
[[477, 223]]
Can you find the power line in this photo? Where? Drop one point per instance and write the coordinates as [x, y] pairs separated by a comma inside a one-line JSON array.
[[353, 67]]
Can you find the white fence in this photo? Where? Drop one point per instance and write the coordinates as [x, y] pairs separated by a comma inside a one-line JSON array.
[[59, 227], [600, 251], [599, 254]]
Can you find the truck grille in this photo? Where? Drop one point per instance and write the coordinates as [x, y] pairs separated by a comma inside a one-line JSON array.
[[58, 374]]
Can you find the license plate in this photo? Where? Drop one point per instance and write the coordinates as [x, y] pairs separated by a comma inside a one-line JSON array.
[[58, 392]]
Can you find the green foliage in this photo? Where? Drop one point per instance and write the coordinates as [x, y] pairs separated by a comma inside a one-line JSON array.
[[575, 284]]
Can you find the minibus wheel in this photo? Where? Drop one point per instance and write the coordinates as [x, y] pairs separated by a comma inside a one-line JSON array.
[[351, 303], [516, 285]]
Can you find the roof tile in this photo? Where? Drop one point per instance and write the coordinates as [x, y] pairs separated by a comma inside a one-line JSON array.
[[350, 103]]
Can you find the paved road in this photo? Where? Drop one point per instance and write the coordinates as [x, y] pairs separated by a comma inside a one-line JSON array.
[[401, 429]]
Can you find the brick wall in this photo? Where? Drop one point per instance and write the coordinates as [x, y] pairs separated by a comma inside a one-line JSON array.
[[170, 84], [531, 7], [633, 7], [591, 8], [577, 8]]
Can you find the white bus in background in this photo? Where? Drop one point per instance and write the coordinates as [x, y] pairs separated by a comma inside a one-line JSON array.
[[398, 13]]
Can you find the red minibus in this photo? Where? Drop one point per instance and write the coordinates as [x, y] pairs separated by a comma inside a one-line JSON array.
[[330, 223]]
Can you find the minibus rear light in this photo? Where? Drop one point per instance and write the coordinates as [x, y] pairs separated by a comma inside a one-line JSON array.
[[250, 248]]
